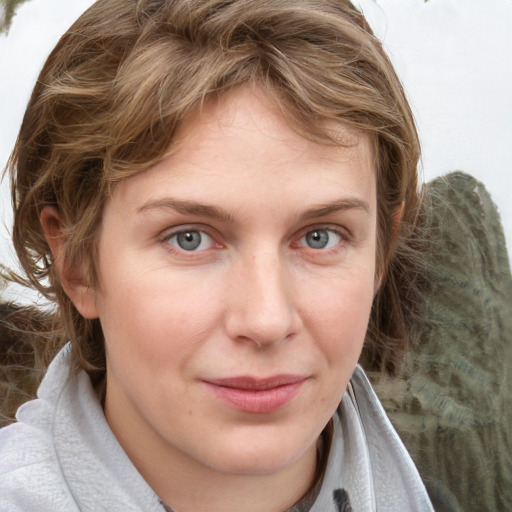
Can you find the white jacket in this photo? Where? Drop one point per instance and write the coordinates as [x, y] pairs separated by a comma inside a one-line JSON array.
[[61, 456]]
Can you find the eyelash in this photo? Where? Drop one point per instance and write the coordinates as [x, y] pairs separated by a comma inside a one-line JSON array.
[[341, 233], [169, 236]]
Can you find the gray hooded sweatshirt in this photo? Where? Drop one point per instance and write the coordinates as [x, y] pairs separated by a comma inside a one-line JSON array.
[[61, 456]]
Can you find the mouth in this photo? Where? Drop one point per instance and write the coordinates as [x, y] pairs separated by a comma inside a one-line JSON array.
[[256, 395]]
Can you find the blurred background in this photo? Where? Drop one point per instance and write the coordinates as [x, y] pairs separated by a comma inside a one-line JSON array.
[[453, 57]]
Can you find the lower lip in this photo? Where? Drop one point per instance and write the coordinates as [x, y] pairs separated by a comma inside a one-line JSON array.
[[257, 401]]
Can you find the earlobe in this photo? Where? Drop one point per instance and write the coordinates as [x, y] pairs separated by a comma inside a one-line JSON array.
[[396, 222], [397, 218], [71, 275], [376, 285]]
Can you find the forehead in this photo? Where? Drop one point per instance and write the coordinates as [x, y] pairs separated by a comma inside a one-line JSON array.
[[250, 109], [241, 144]]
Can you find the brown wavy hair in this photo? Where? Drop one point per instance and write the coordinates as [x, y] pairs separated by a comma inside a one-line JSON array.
[[25, 350], [123, 78]]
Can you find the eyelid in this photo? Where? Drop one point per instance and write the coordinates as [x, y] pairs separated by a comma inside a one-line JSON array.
[[340, 231], [336, 228], [170, 233]]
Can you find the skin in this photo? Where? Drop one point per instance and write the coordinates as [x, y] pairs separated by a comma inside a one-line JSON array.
[[258, 297]]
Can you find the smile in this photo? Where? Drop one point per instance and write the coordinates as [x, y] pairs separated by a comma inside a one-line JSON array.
[[249, 394]]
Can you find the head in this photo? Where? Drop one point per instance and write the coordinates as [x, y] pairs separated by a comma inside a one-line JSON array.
[[126, 76], [152, 96]]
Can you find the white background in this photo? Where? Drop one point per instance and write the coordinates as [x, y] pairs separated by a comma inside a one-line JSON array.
[[454, 57]]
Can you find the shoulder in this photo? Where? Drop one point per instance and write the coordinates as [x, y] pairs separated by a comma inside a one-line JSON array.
[[61, 456], [30, 478], [30, 474]]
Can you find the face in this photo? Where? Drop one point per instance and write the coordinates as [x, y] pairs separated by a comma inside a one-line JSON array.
[[236, 280]]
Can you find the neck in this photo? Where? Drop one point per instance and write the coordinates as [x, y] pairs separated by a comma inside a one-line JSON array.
[[238, 493], [186, 486]]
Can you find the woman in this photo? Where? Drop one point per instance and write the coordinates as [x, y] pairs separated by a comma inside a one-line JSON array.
[[216, 192]]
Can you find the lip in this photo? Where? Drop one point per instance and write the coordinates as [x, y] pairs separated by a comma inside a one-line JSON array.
[[257, 395]]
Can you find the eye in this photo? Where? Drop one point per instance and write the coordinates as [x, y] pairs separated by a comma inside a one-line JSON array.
[[320, 239], [190, 240]]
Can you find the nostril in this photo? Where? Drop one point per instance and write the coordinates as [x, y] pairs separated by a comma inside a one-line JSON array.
[[262, 328], [263, 310]]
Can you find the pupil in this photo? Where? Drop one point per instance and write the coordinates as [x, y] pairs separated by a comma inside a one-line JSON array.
[[189, 240], [317, 239]]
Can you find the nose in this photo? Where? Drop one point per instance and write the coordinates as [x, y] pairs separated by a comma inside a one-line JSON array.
[[262, 309]]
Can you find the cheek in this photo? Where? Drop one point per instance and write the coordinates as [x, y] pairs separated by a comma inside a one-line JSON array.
[[345, 306], [338, 313], [152, 316]]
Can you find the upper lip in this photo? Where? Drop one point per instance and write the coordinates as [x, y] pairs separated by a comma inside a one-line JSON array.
[[256, 383]]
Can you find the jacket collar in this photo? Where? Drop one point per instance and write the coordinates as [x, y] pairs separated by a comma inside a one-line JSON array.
[[368, 467]]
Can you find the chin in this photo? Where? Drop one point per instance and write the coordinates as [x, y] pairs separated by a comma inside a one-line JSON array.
[[253, 456]]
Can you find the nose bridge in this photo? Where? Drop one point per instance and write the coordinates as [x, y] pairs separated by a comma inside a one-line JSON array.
[[262, 309]]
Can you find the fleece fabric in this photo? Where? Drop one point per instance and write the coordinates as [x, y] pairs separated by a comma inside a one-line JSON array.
[[61, 456]]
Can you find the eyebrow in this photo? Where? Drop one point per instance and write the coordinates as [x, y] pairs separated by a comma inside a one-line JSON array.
[[335, 206], [188, 207], [214, 212]]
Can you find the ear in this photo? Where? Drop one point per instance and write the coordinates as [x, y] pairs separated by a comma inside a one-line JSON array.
[[397, 218], [71, 276], [396, 222]]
